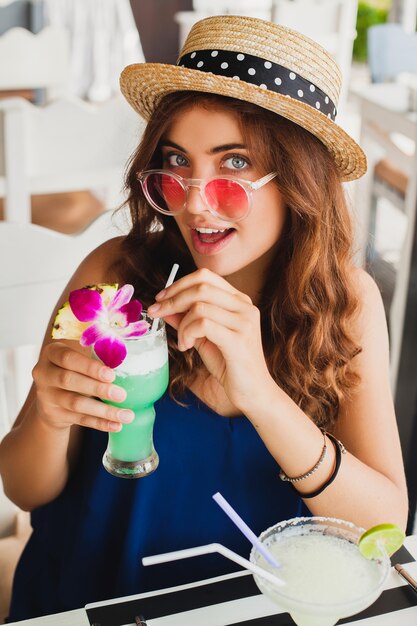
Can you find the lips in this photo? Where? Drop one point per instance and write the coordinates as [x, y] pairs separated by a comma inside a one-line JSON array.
[[212, 237], [211, 242]]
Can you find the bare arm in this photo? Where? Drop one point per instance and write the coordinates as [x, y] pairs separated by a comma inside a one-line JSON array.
[[36, 456], [224, 326], [370, 487]]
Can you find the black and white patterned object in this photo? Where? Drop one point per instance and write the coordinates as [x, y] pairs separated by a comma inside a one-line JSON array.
[[204, 603], [260, 72]]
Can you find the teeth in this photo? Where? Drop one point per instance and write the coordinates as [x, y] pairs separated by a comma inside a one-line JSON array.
[[209, 230]]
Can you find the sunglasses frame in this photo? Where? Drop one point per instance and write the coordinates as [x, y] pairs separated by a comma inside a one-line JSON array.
[[201, 184]]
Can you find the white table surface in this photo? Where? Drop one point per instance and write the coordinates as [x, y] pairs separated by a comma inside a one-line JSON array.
[[255, 606]]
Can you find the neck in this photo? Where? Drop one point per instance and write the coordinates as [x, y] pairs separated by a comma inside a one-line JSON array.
[[251, 279]]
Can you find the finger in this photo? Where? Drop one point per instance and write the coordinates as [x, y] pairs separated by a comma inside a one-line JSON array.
[[89, 421], [77, 403], [73, 381], [173, 320], [62, 355], [201, 276], [201, 311], [204, 328], [182, 301]]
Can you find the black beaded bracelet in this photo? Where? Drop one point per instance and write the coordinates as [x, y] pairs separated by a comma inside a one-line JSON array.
[[339, 449]]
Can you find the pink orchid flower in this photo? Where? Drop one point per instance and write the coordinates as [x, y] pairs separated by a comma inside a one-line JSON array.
[[112, 323]]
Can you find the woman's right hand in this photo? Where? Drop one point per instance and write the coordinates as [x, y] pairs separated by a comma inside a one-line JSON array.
[[68, 384]]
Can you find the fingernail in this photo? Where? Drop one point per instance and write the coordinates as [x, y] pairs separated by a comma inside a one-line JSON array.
[[115, 426], [125, 416], [107, 375], [154, 308], [117, 393], [160, 295]]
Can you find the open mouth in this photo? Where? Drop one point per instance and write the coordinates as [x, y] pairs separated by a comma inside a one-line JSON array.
[[210, 235], [210, 240]]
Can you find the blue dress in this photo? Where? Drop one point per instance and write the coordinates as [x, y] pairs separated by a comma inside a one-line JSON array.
[[88, 543]]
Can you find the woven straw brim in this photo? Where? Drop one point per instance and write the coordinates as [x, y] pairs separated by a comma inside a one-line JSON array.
[[144, 84]]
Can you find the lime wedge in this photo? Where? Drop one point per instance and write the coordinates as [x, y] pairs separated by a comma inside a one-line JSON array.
[[384, 538]]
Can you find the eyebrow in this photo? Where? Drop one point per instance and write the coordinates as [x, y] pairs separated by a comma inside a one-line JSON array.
[[223, 148]]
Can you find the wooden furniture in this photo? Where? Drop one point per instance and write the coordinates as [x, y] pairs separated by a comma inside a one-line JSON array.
[[67, 145], [11, 548], [35, 61], [385, 119]]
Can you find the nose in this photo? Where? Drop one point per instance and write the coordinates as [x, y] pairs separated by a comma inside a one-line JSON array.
[[195, 203]]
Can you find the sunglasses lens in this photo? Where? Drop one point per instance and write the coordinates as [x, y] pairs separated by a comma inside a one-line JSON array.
[[165, 192], [228, 198]]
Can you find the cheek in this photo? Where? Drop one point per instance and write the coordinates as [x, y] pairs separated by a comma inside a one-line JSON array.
[[268, 220]]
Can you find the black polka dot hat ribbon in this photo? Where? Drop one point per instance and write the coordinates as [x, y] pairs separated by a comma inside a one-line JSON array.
[[260, 72], [266, 64]]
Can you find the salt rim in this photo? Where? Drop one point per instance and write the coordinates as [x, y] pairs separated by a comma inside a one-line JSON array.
[[297, 520]]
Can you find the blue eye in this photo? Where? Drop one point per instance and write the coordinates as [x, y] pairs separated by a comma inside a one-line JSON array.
[[236, 162], [176, 160]]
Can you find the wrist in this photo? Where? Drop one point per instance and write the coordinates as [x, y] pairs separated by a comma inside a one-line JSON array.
[[262, 395]]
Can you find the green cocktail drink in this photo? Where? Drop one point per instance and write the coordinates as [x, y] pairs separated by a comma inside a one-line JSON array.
[[144, 375]]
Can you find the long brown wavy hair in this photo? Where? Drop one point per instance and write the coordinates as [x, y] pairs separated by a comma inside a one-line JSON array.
[[307, 301]]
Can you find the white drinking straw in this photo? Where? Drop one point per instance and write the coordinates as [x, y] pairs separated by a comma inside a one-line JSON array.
[[169, 282], [207, 549], [244, 528]]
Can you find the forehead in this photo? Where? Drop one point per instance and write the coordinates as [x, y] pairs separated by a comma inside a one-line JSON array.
[[205, 124]]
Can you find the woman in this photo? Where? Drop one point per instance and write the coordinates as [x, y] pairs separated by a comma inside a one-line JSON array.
[[275, 337]]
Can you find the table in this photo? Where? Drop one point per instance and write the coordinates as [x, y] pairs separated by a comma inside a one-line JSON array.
[[385, 109], [234, 599]]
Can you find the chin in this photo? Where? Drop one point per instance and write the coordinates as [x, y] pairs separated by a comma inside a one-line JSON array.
[[222, 267]]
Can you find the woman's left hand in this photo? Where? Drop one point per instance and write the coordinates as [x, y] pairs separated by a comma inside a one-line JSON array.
[[223, 325]]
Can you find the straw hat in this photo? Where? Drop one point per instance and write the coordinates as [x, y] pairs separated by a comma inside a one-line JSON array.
[[260, 62]]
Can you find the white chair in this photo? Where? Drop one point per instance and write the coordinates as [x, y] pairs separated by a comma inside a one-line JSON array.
[[36, 264], [67, 145], [35, 61], [332, 23]]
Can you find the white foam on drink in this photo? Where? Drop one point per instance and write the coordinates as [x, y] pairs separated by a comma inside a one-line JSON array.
[[143, 363], [323, 569]]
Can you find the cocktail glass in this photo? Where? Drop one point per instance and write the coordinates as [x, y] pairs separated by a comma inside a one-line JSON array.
[[326, 576], [144, 375]]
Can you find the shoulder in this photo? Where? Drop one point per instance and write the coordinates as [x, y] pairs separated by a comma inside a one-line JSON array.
[[369, 328], [370, 311], [364, 285], [100, 261]]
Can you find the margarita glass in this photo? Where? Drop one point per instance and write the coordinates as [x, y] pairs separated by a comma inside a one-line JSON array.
[[144, 375], [326, 576]]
